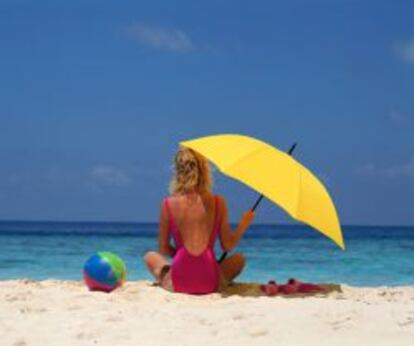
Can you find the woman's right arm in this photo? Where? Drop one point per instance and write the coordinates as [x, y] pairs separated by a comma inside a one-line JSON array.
[[165, 247], [229, 238]]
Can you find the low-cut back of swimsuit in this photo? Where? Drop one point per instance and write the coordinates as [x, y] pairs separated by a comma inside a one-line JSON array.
[[194, 274]]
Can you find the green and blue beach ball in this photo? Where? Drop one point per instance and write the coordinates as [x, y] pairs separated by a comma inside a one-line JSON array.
[[104, 271]]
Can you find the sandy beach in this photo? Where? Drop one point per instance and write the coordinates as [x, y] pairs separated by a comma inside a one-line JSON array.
[[56, 312]]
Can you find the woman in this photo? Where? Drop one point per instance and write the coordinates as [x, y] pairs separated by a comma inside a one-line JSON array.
[[195, 218]]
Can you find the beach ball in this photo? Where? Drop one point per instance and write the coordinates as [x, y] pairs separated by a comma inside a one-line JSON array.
[[104, 271]]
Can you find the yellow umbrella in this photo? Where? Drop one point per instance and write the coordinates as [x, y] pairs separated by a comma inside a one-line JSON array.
[[276, 175]]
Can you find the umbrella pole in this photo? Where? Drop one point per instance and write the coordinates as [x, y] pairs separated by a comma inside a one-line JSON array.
[[256, 204]]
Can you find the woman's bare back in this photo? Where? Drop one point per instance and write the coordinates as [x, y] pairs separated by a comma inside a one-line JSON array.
[[194, 218]]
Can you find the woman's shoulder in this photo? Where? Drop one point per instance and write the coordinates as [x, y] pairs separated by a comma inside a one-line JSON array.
[[170, 199], [221, 201], [219, 198]]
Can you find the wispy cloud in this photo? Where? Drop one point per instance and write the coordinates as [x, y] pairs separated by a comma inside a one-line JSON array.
[[405, 50], [110, 175], [405, 169], [401, 119], [396, 117], [159, 37]]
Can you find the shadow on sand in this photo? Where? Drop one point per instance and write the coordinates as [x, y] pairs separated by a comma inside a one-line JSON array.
[[253, 290]]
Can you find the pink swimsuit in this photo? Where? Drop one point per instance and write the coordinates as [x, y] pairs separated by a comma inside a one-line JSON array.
[[194, 274]]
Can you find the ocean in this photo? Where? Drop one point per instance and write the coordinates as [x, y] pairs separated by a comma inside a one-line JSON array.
[[375, 256]]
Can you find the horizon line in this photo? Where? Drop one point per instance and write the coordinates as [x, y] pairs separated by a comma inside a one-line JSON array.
[[155, 222]]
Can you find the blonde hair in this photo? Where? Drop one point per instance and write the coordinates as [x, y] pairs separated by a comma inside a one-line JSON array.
[[191, 172]]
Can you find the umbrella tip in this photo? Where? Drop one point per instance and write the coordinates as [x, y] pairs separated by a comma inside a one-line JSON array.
[[292, 148]]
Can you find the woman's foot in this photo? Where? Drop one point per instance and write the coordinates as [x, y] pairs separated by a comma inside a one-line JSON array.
[[164, 270], [165, 278]]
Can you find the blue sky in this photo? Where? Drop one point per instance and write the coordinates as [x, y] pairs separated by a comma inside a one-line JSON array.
[[96, 95]]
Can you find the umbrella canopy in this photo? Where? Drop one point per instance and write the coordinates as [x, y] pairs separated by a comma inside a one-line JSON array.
[[276, 175]]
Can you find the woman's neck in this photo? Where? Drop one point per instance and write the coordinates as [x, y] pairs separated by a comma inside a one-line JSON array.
[[194, 193]]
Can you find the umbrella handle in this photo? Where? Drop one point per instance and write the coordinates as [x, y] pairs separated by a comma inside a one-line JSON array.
[[222, 257]]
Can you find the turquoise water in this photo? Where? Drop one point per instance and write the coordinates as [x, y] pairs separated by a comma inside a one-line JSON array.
[[374, 256]]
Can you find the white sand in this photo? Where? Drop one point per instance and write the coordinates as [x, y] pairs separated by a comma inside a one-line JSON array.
[[65, 313]]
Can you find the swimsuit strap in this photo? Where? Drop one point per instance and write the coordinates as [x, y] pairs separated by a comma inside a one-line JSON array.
[[216, 223], [172, 225]]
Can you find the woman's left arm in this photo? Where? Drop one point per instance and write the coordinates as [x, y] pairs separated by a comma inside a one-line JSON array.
[[166, 248]]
